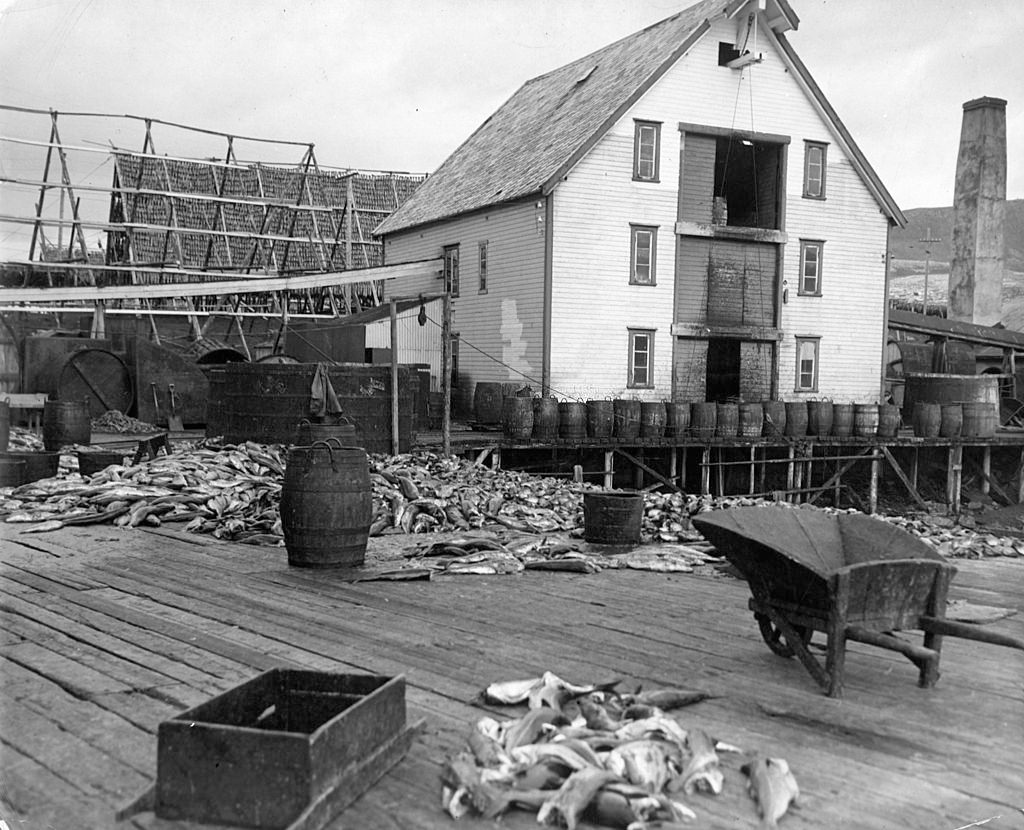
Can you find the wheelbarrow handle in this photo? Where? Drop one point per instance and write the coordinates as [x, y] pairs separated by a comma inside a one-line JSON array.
[[952, 628]]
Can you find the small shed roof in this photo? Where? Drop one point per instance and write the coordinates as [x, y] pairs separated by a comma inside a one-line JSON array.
[[553, 120]]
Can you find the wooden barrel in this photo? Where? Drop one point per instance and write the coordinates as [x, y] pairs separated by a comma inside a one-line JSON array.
[[652, 419], [819, 418], [37, 464], [703, 419], [572, 420], [980, 419], [865, 419], [326, 506], [545, 419], [5, 425], [796, 419], [774, 413], [487, 398], [842, 420], [677, 418], [751, 417], [66, 422], [341, 428], [727, 420], [888, 420], [627, 419], [951, 420], [612, 518], [926, 419], [91, 462], [600, 418], [12, 470], [517, 418]]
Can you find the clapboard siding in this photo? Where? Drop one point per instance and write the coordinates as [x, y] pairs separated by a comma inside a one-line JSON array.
[[593, 303], [698, 182], [500, 331]]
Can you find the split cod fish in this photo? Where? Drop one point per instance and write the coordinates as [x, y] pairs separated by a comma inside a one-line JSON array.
[[774, 787], [702, 771]]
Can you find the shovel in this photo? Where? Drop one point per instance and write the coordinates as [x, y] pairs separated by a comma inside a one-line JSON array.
[[174, 419]]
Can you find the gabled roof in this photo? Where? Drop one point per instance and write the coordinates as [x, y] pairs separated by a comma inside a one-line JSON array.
[[552, 121]]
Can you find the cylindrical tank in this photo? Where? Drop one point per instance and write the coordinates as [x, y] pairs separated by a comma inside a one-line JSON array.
[[796, 419], [774, 413], [865, 419], [703, 419], [751, 417], [943, 388], [677, 418], [545, 419], [517, 418], [600, 418], [819, 418], [487, 398], [927, 419], [951, 420], [572, 420], [326, 506], [727, 420], [842, 420], [627, 419], [66, 422], [652, 419]]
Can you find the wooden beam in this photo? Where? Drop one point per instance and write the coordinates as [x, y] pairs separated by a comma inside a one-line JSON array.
[[902, 476], [231, 284], [667, 482]]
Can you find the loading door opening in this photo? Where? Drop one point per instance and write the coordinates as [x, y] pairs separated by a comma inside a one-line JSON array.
[[723, 380]]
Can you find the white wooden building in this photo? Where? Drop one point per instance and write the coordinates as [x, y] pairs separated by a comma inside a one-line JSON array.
[[680, 214]]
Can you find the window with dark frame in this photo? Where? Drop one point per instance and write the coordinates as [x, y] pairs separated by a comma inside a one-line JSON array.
[[482, 266], [641, 359], [451, 269], [807, 364], [646, 150], [643, 246], [815, 154], [810, 267]]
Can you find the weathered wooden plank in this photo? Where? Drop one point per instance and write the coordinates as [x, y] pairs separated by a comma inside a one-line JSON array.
[[65, 671]]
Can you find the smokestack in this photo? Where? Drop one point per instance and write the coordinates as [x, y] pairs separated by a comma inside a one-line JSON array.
[[979, 207]]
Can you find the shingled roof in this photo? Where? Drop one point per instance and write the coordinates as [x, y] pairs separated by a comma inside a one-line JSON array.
[[552, 121], [542, 128]]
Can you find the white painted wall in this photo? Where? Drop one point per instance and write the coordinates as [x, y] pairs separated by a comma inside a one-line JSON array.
[[593, 303], [500, 331], [416, 343]]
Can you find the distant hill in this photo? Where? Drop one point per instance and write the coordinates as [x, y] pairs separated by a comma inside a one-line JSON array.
[[908, 251]]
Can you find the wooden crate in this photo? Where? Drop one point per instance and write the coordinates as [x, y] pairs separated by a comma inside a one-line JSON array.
[[287, 749]]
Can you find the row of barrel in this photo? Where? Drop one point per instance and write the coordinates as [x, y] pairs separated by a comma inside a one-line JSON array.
[[623, 420]]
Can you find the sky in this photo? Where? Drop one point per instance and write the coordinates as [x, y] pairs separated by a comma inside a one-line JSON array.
[[399, 84]]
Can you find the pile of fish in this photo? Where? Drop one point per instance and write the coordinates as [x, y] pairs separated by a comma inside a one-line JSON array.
[[117, 422], [231, 492], [24, 440], [590, 753], [486, 553]]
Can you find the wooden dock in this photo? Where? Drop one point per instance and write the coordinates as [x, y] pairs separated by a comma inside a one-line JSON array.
[[106, 632]]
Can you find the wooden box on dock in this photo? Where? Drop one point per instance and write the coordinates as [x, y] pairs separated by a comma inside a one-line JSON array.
[[287, 749]]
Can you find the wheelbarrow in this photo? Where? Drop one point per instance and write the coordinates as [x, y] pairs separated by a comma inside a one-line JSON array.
[[850, 576]]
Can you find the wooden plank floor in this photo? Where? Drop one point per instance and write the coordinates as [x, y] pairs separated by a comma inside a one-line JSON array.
[[105, 632]]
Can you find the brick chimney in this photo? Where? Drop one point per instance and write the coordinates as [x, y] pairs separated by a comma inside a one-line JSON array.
[[979, 207]]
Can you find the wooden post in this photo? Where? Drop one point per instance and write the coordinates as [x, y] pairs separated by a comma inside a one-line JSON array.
[[394, 375], [986, 468], [446, 375], [789, 469], [798, 482], [672, 463], [753, 457], [957, 469], [914, 463], [950, 461], [705, 471], [577, 473], [876, 465], [1020, 478], [638, 473], [720, 473], [682, 470], [609, 468]]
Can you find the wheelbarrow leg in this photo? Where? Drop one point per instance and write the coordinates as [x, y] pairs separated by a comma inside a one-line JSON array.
[[835, 656], [799, 646], [929, 672]]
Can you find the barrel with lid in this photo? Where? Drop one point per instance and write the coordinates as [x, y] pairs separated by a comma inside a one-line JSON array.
[[66, 422], [612, 517], [326, 505]]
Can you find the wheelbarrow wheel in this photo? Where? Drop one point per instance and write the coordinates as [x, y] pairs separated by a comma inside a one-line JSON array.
[[775, 639]]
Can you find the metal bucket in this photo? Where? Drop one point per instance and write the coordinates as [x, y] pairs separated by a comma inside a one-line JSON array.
[[612, 518], [326, 506]]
